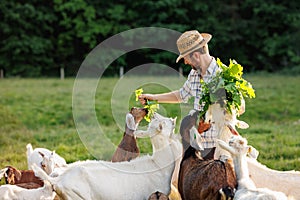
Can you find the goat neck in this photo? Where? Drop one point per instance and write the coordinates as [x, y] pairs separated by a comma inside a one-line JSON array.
[[163, 146], [240, 166], [159, 142], [186, 125]]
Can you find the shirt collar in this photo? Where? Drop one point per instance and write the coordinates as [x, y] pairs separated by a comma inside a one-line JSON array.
[[212, 67]]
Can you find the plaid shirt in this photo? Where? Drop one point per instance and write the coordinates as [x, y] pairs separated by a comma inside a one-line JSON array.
[[192, 88]]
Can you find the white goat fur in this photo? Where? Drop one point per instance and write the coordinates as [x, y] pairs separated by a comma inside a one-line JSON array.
[[136, 179], [246, 188], [221, 119], [15, 192], [48, 158], [287, 182]]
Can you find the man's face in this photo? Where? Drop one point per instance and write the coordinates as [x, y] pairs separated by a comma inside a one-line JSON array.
[[190, 60]]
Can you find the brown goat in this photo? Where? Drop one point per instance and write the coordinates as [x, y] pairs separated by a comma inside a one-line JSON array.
[[128, 149], [22, 178], [202, 177]]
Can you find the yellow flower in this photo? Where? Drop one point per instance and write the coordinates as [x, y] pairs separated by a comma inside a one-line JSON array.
[[138, 92]]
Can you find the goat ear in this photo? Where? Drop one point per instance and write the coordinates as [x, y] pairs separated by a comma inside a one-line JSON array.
[[195, 139], [252, 152], [3, 172], [242, 124], [17, 174], [174, 120], [130, 121], [225, 146], [131, 110], [43, 155]]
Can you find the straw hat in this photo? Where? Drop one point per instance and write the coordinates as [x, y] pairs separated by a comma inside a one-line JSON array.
[[189, 41]]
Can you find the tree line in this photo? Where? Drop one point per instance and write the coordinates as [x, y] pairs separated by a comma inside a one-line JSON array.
[[40, 37]]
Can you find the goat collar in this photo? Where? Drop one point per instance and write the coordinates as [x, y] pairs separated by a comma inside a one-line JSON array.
[[129, 131]]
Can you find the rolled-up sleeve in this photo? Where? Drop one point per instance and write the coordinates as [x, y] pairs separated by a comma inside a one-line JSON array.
[[187, 91]]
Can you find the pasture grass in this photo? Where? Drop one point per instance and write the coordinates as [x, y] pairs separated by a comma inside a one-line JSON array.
[[39, 111]]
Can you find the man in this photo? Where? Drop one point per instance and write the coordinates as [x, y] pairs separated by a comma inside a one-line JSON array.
[[193, 48]]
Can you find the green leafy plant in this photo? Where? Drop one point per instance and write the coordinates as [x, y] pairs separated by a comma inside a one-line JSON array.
[[228, 87], [151, 106]]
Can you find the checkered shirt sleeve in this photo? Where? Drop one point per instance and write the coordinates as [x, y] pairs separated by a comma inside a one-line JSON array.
[[191, 88]]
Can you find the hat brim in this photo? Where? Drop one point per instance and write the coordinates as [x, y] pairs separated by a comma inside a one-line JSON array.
[[206, 37]]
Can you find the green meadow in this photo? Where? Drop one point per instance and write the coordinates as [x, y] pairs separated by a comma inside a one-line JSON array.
[[40, 112]]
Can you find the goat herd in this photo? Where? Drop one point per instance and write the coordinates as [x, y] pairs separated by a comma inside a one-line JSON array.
[[175, 170]]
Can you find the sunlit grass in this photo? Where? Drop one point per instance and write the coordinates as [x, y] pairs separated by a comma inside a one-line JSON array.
[[39, 111]]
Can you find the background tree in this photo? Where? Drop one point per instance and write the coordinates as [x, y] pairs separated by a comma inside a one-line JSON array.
[[39, 37], [26, 49]]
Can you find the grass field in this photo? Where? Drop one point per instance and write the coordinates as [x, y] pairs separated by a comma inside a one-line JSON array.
[[39, 111]]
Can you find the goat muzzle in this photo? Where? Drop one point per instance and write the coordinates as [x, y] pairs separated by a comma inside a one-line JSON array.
[[203, 126], [232, 130]]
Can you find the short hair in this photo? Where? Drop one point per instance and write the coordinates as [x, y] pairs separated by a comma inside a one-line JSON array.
[[202, 50]]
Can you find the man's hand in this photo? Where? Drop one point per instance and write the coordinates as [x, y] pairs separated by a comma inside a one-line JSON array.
[[144, 97]]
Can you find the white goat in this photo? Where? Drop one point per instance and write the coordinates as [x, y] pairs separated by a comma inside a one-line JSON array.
[[136, 179], [44, 158], [14, 192], [222, 120], [287, 182], [247, 190]]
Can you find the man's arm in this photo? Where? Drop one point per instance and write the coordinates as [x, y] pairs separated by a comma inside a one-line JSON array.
[[169, 97]]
